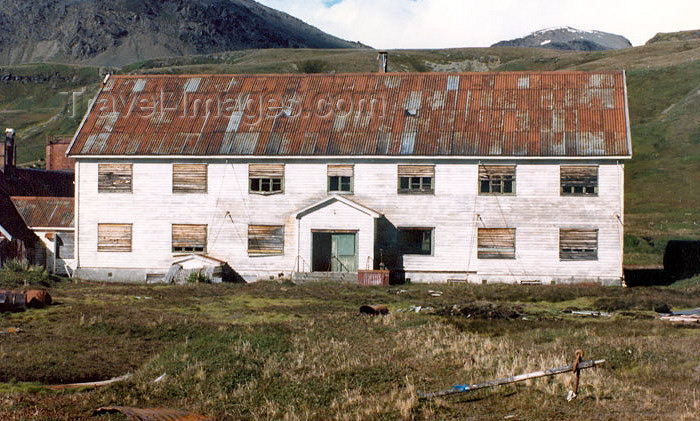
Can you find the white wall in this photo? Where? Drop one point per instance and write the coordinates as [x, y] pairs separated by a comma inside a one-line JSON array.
[[537, 212]]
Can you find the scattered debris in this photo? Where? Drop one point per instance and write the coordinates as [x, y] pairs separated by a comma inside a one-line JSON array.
[[11, 330], [460, 388], [695, 312], [160, 378], [416, 309], [151, 414], [481, 310], [662, 308], [577, 370], [591, 313], [397, 291], [38, 298], [374, 310], [682, 318], [12, 301], [435, 293], [89, 384], [18, 301]]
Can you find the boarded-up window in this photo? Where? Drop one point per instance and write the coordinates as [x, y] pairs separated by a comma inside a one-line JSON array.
[[416, 178], [266, 178], [114, 178], [265, 239], [416, 240], [114, 237], [189, 238], [496, 243], [579, 179], [189, 178], [497, 179], [340, 178], [578, 244]]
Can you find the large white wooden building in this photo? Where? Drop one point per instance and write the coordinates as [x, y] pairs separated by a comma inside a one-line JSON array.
[[485, 177]]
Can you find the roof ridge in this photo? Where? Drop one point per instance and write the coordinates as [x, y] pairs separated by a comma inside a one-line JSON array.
[[311, 75]]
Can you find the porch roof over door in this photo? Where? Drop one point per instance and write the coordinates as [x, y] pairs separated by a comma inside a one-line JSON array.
[[333, 199]]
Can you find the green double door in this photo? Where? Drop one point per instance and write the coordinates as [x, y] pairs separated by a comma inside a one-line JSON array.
[[334, 251]]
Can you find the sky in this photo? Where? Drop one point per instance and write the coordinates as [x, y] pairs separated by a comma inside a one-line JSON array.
[[393, 24]]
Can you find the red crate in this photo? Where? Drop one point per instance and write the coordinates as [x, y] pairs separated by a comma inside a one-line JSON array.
[[373, 277]]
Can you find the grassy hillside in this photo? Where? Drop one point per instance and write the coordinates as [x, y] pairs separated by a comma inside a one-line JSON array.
[[662, 199], [38, 101]]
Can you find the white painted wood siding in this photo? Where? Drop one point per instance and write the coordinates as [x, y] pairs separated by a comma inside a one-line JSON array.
[[455, 210]]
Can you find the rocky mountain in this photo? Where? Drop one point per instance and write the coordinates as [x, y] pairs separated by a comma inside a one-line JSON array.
[[117, 32], [675, 36], [568, 38]]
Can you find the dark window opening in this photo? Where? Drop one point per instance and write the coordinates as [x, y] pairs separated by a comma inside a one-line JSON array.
[[416, 240], [497, 179], [338, 183], [266, 185], [579, 180], [416, 184]]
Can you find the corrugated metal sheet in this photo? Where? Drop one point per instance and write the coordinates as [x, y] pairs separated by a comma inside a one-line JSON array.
[[54, 212], [536, 114]]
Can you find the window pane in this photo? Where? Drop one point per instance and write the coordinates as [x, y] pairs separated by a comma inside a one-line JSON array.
[[426, 242], [485, 186], [255, 184], [345, 183], [404, 182], [333, 183], [415, 241], [508, 186]]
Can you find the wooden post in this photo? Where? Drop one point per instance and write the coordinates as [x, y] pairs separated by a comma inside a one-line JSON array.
[[460, 388]]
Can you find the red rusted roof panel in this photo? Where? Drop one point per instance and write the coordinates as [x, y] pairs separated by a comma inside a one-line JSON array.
[[577, 114], [54, 212]]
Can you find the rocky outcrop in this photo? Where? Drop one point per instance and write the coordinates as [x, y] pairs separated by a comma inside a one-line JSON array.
[[567, 38], [675, 36], [117, 32]]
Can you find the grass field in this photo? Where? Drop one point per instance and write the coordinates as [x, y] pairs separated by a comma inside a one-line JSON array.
[[281, 351]]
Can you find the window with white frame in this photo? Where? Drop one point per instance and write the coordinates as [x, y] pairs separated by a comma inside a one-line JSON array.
[[340, 178], [416, 179], [266, 178], [497, 179]]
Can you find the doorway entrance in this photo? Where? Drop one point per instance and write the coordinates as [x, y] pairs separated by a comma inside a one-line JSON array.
[[334, 251]]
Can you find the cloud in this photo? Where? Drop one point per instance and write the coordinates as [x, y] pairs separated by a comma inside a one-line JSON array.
[[470, 23]]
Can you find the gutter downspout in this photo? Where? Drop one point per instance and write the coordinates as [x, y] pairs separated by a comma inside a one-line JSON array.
[[76, 207], [298, 243]]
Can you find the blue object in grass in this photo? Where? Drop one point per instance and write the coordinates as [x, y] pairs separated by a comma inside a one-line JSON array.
[[460, 387]]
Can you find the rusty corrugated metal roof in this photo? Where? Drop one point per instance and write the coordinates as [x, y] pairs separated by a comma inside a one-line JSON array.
[[54, 212], [535, 114]]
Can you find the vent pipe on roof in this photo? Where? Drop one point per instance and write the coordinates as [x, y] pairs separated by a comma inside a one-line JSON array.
[[9, 167], [383, 59]]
